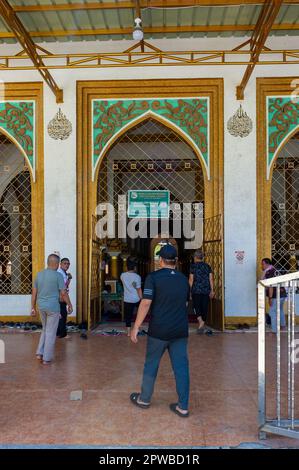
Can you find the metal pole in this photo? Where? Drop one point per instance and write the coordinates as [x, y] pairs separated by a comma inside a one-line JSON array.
[[261, 358], [293, 362], [289, 349], [278, 378]]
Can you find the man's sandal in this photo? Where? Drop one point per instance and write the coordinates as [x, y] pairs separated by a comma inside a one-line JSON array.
[[134, 399], [173, 407], [201, 330]]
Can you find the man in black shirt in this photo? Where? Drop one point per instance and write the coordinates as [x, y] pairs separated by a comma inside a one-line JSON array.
[[166, 293]]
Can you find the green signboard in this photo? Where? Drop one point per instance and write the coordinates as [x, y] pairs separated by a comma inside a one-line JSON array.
[[148, 204]]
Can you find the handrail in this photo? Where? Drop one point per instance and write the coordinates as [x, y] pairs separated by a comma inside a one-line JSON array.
[[272, 281], [283, 348]]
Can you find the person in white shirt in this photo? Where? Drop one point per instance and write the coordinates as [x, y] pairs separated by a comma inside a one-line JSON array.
[[132, 292], [64, 266]]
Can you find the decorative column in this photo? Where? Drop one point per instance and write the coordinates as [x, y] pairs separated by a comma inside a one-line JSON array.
[[114, 264], [124, 259]]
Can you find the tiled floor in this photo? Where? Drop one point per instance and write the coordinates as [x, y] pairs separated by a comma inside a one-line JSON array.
[[35, 407]]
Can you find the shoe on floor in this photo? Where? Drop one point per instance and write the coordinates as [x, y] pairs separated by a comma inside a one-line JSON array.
[[209, 332], [200, 331], [134, 399], [173, 407]]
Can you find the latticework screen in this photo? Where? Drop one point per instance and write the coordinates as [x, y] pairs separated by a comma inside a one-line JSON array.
[[15, 221], [285, 208], [151, 156], [213, 250]]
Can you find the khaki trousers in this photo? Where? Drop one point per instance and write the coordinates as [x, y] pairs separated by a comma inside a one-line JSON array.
[[47, 340]]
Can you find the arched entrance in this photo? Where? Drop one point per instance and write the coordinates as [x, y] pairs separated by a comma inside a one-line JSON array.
[[285, 207], [100, 125], [15, 220], [276, 155], [150, 156]]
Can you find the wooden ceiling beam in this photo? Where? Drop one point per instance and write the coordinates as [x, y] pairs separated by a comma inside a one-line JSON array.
[[152, 57], [150, 30], [143, 4], [259, 36], [21, 34]]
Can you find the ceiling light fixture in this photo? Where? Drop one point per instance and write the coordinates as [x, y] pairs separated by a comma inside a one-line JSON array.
[[138, 31]]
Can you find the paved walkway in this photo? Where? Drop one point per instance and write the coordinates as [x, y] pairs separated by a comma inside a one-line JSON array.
[[35, 405]]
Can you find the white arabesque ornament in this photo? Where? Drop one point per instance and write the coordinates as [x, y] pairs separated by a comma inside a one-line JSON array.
[[59, 128], [239, 125]]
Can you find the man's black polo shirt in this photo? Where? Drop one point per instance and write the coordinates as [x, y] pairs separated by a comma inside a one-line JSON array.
[[169, 291]]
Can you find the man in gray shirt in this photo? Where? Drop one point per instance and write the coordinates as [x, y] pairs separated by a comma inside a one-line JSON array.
[[47, 291]]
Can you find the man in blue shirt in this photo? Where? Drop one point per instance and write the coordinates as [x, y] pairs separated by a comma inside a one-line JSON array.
[[165, 294], [48, 290]]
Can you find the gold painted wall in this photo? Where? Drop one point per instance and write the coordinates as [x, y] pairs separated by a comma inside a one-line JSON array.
[[266, 87], [33, 91]]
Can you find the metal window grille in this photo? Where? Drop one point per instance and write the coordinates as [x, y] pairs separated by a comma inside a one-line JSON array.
[[15, 221], [152, 156], [285, 208]]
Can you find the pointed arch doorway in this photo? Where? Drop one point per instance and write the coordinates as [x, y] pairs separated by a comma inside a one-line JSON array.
[[277, 173], [15, 220], [22, 196], [285, 207], [150, 157], [149, 154]]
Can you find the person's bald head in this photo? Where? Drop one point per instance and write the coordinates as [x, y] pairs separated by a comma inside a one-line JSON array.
[[53, 261]]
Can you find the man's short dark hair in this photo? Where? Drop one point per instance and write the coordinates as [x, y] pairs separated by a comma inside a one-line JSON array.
[[199, 254], [64, 259], [131, 264], [267, 260]]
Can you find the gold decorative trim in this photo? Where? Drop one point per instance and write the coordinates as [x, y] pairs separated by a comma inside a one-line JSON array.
[[251, 321], [266, 87], [20, 148], [17, 318], [86, 188], [122, 115], [33, 91]]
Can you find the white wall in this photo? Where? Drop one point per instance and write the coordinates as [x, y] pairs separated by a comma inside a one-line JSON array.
[[240, 208], [239, 158], [14, 305]]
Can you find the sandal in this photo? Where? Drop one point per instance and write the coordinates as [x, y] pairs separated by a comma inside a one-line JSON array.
[[173, 407], [47, 363], [39, 357], [209, 332], [134, 399], [201, 331]]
